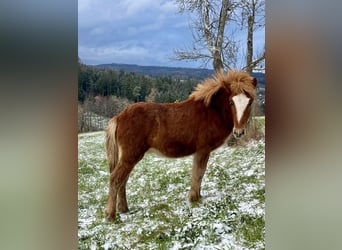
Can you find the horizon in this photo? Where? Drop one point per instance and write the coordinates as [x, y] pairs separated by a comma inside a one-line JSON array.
[[139, 65]]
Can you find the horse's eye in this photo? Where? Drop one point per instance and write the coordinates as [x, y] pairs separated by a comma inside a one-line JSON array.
[[231, 103]]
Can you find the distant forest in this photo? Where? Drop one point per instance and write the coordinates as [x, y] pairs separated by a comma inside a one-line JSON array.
[[106, 91], [94, 81]]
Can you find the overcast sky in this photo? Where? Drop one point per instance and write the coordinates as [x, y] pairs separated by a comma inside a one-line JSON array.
[[144, 32]]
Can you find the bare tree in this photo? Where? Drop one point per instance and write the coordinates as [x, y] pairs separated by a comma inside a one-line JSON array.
[[208, 29], [212, 40]]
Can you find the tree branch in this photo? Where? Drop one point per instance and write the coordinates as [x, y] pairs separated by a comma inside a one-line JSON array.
[[189, 55], [256, 61]]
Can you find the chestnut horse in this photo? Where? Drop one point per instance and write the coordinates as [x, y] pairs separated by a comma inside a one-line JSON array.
[[216, 108]]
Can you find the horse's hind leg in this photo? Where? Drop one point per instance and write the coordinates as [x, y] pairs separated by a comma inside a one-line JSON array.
[[198, 169], [122, 200], [117, 183], [118, 179]]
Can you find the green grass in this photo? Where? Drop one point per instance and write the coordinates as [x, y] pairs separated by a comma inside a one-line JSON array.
[[229, 216]]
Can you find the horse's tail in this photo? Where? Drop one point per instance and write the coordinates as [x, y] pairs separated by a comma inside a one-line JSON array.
[[111, 144]]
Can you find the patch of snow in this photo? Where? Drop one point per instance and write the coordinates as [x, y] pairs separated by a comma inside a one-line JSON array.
[[141, 221]]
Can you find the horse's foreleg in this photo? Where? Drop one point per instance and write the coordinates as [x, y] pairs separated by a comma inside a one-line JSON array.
[[198, 169]]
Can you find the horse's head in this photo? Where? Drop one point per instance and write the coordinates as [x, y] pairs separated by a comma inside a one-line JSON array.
[[240, 89], [242, 94]]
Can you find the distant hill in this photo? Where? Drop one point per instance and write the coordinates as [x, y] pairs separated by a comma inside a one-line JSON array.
[[156, 71], [174, 72]]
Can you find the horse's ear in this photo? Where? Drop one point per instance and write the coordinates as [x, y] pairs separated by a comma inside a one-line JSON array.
[[254, 82]]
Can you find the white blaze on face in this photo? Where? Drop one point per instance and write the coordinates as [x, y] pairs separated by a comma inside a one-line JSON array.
[[241, 102]]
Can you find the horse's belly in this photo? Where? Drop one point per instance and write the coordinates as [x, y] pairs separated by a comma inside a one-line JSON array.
[[173, 151]]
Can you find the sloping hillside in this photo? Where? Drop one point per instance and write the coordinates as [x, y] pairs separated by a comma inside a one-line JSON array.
[[230, 215]]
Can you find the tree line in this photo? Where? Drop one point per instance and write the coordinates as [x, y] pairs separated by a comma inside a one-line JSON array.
[[135, 87]]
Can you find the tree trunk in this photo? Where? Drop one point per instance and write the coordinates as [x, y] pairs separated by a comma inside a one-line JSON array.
[[249, 61], [217, 50], [217, 62]]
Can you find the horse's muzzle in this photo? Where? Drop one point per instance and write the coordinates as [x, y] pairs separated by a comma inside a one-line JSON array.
[[238, 132]]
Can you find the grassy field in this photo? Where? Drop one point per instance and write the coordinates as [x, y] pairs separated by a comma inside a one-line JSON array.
[[231, 214]]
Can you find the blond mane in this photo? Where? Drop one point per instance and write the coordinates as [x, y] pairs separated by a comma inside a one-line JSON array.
[[235, 81]]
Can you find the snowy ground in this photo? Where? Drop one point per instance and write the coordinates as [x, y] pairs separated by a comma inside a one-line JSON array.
[[231, 214]]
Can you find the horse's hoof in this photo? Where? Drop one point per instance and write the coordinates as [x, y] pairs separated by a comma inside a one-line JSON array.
[[110, 217], [123, 208], [193, 196]]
